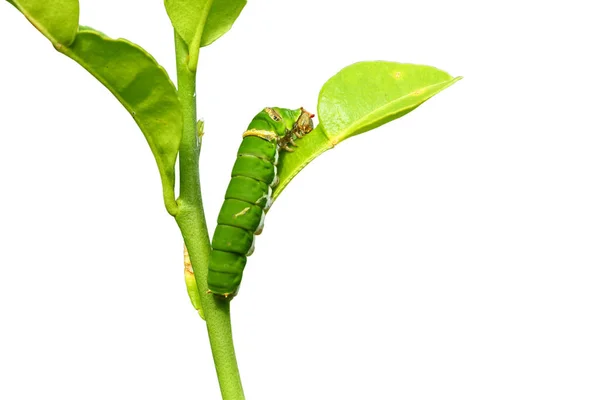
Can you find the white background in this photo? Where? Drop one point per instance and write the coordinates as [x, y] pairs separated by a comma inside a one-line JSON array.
[[453, 254]]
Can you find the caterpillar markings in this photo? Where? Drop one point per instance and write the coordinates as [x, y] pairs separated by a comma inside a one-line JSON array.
[[249, 193]]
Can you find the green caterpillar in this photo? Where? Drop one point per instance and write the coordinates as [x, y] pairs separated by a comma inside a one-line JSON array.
[[248, 196]]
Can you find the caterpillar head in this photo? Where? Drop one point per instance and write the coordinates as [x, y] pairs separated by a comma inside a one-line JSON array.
[[304, 124], [281, 121]]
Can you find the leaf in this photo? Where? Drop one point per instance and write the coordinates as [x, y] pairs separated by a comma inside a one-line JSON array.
[[58, 20], [357, 99], [144, 89], [129, 72], [221, 17], [201, 22], [368, 94], [187, 16]]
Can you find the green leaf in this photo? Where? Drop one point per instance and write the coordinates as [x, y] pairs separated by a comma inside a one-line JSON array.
[[220, 19], [368, 94], [187, 16], [201, 22], [58, 20], [357, 99], [144, 89]]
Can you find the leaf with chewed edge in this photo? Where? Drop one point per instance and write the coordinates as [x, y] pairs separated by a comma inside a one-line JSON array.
[[357, 99], [58, 20], [143, 88]]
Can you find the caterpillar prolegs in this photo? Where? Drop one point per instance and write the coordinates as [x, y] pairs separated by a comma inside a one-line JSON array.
[[248, 196]]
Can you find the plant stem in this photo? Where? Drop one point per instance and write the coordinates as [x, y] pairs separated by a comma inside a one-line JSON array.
[[192, 224]]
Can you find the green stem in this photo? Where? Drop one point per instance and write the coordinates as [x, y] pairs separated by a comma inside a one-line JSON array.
[[192, 224]]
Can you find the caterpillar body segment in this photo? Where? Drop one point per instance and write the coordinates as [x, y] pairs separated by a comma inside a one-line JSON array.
[[248, 196]]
